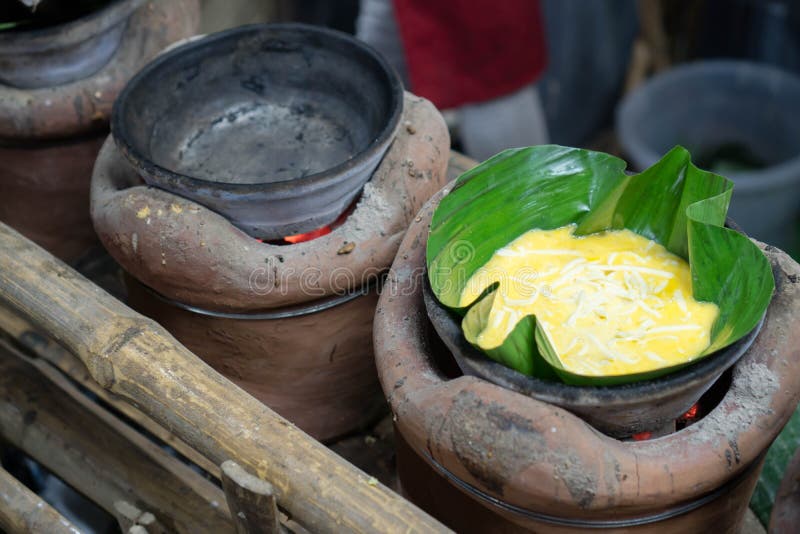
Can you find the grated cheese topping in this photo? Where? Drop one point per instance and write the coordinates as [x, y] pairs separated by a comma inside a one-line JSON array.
[[611, 303]]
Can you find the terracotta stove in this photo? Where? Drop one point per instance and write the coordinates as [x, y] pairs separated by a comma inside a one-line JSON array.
[[483, 458], [291, 323], [55, 99]]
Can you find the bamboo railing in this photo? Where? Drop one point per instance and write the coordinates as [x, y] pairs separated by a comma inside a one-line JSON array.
[[137, 360], [23, 511]]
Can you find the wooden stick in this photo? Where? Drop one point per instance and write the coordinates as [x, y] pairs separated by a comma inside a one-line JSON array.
[[126, 515], [639, 67], [651, 21], [131, 519], [650, 50], [138, 360], [49, 419], [26, 335], [458, 165], [22, 511], [251, 501]]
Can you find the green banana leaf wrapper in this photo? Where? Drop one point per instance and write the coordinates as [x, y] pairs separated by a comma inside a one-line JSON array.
[[546, 187]]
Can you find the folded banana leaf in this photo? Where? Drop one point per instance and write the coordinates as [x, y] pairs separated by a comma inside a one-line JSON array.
[[546, 187]]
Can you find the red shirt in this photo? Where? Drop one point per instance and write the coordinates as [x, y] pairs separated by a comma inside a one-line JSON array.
[[464, 51]]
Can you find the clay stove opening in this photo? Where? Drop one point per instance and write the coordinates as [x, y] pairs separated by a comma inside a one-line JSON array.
[[700, 409], [317, 232]]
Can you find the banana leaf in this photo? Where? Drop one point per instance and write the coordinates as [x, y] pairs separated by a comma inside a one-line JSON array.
[[546, 187]]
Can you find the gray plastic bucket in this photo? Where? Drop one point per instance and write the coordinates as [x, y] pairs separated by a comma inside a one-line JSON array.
[[711, 103]]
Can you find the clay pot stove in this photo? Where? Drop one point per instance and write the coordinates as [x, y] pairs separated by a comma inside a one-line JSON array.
[[57, 86], [483, 458], [288, 319]]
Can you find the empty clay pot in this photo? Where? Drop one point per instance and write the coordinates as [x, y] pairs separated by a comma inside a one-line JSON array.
[[50, 135], [261, 314], [483, 458], [275, 126]]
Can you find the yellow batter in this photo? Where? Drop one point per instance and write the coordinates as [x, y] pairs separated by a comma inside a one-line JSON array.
[[611, 303]]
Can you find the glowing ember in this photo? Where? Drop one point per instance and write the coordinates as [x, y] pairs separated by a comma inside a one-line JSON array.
[[308, 236], [314, 234], [683, 421], [692, 413]]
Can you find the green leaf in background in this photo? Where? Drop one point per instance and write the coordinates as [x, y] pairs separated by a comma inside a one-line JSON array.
[[778, 457], [9, 25], [546, 187]]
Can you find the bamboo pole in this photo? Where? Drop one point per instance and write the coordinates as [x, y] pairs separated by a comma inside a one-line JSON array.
[[22, 511], [138, 360], [25, 335]]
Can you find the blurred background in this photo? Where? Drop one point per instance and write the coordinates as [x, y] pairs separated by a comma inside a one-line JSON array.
[[633, 78], [630, 77]]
